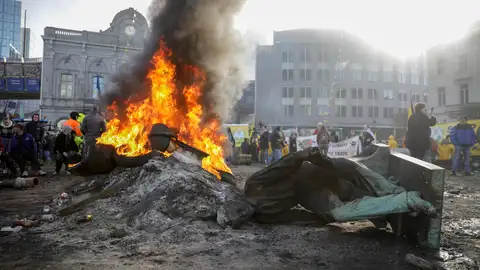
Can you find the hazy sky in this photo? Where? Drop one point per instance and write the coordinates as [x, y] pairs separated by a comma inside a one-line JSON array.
[[400, 27]]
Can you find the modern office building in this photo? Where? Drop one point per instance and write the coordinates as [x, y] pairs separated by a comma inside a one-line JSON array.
[[77, 65], [25, 42], [311, 75], [454, 77], [10, 24]]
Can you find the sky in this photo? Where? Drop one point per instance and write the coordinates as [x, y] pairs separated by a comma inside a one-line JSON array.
[[402, 28]]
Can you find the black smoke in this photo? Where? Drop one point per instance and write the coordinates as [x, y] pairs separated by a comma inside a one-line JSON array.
[[200, 33]]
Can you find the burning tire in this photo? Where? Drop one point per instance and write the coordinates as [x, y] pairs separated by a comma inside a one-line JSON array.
[[227, 177], [99, 160]]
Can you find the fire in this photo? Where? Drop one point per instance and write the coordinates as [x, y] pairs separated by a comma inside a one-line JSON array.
[[130, 136]]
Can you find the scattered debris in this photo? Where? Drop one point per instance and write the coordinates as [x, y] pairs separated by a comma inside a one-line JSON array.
[[444, 260], [20, 183], [11, 229]]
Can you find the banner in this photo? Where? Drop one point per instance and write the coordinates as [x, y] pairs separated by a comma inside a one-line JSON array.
[[15, 84], [346, 148], [441, 130], [239, 131], [32, 84]]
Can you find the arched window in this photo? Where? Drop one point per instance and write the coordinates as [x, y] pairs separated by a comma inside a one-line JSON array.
[[66, 85], [98, 85]]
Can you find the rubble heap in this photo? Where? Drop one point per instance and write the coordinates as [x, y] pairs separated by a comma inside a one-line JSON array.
[[163, 190]]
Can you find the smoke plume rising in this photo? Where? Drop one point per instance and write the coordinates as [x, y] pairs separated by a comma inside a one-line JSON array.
[[200, 33]]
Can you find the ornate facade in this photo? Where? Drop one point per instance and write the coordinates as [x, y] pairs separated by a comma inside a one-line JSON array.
[[78, 65]]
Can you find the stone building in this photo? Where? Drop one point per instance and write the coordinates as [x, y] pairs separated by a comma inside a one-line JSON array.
[[78, 65], [454, 77]]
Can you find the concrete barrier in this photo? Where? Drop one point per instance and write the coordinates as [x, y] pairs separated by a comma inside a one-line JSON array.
[[413, 175]]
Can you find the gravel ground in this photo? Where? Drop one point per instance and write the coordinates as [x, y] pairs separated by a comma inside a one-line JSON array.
[[205, 245]]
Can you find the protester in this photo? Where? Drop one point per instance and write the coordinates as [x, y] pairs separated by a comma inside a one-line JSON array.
[[445, 153], [245, 146], [48, 146], [463, 137], [277, 143], [231, 139], [323, 138], [418, 131], [73, 123], [92, 127], [35, 129], [7, 161], [334, 137], [392, 143], [23, 148], [292, 144], [65, 150], [7, 130], [254, 147], [368, 137], [264, 145]]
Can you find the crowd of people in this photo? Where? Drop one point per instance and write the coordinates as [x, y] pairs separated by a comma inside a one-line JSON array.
[[32, 143]]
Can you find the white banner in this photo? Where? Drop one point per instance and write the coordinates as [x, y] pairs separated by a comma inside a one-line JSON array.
[[347, 148]]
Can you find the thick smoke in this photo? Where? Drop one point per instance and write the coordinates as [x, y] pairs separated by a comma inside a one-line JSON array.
[[199, 33]]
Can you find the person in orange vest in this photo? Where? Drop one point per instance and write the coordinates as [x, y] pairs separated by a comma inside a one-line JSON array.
[[73, 123]]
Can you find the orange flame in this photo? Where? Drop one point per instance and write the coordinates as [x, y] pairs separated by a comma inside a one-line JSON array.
[[130, 136]]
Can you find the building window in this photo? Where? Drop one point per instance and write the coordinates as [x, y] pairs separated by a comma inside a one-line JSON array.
[[288, 110], [425, 98], [441, 96], [306, 110], [402, 111], [287, 74], [98, 85], [402, 78], [341, 93], [306, 92], [341, 111], [387, 76], [305, 53], [402, 96], [387, 94], [440, 67], [372, 76], [464, 94], [372, 112], [323, 92], [462, 62], [305, 74], [357, 93], [323, 110], [372, 94], [416, 97], [425, 81], [357, 111], [66, 86], [323, 75], [357, 75], [287, 92], [415, 79], [287, 57], [339, 75], [388, 112]]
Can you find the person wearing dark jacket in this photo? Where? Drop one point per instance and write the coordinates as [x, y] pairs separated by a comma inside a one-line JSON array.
[[292, 144], [462, 137], [277, 143], [65, 149], [23, 148], [264, 146], [245, 146], [37, 131], [7, 160], [418, 131], [92, 127]]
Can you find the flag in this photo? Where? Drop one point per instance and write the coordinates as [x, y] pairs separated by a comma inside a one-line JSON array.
[[410, 109]]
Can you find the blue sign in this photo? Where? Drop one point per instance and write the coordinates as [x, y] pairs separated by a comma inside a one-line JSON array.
[[2, 84], [15, 84], [32, 84]]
